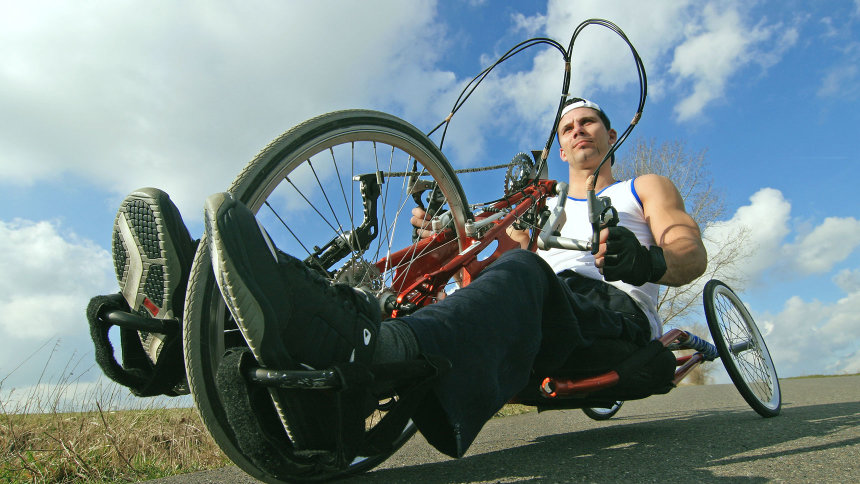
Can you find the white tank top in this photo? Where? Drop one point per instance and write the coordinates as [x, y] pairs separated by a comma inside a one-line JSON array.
[[626, 201]]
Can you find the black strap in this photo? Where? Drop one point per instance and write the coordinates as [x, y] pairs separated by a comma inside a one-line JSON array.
[[137, 371]]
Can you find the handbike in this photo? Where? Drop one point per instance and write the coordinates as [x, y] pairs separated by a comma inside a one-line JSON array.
[[337, 192]]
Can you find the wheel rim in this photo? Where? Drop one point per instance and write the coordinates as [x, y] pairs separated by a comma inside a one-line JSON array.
[[746, 348], [286, 186]]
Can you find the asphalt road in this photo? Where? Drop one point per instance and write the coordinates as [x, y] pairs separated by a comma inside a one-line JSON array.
[[704, 434]]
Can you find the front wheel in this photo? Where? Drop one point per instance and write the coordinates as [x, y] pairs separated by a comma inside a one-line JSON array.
[[742, 349], [336, 192]]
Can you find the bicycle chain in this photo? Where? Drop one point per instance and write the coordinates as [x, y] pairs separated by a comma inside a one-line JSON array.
[[462, 170]]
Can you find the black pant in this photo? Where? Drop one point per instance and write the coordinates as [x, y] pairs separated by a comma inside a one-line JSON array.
[[516, 317]]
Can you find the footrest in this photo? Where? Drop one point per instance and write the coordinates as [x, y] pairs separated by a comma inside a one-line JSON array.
[[125, 319], [340, 378]]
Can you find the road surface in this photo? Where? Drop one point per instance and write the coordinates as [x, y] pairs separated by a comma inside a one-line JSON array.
[[693, 434]]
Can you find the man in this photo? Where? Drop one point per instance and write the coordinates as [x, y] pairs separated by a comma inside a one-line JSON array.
[[521, 314]]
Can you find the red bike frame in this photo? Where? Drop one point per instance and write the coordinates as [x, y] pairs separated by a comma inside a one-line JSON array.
[[424, 269]]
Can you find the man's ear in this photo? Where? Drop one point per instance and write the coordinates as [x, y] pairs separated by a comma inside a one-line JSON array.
[[562, 154], [613, 136]]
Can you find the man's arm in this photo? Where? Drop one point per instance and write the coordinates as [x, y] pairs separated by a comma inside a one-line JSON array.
[[674, 231]]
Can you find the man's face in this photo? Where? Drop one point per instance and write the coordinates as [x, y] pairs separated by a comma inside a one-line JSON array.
[[583, 138]]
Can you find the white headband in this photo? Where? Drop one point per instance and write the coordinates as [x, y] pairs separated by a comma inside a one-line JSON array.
[[581, 104]]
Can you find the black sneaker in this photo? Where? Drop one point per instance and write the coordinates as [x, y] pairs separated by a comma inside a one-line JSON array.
[[291, 317], [152, 255]]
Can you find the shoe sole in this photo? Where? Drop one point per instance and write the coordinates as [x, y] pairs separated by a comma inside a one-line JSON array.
[[243, 296], [145, 257], [301, 412]]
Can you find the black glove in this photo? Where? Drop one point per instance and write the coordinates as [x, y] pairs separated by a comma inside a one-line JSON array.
[[629, 261]]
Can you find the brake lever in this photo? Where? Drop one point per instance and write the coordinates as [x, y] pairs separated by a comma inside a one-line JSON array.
[[601, 214]]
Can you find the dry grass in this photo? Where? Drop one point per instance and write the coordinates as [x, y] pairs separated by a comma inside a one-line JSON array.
[[102, 446], [68, 431]]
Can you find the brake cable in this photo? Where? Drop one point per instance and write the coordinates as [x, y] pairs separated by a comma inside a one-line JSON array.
[[567, 54]]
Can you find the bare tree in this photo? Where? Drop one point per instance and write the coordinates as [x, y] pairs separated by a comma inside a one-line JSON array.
[[681, 306]]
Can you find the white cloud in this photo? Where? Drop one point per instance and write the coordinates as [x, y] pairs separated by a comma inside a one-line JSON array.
[[183, 95], [838, 80], [766, 220], [814, 337], [48, 277], [713, 51], [848, 280], [841, 80], [825, 246], [528, 25], [692, 48]]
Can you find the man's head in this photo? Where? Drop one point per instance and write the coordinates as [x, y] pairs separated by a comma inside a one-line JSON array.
[[584, 132], [578, 102]]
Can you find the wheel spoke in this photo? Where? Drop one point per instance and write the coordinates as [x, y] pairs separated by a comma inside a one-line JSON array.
[[325, 195]]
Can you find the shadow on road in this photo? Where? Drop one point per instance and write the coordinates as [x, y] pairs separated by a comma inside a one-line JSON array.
[[675, 446]]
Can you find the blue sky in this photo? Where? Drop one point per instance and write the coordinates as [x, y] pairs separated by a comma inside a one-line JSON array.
[[98, 98]]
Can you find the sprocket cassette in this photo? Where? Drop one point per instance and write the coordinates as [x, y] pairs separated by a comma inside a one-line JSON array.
[[520, 171], [357, 272]]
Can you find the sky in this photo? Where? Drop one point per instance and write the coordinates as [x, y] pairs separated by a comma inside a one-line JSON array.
[[98, 98]]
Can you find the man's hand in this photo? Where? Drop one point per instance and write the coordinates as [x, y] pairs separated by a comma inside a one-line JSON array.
[[622, 257], [421, 222], [522, 237]]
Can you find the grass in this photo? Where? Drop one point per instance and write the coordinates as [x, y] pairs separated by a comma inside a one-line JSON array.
[[819, 376], [102, 446], [68, 431]]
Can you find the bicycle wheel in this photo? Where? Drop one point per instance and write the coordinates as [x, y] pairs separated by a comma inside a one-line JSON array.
[[603, 413], [310, 189], [742, 349]]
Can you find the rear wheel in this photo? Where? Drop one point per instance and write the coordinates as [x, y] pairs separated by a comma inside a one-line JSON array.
[[336, 192], [742, 349], [603, 413]]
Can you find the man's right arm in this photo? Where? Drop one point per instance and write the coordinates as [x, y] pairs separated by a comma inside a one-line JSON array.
[[674, 230]]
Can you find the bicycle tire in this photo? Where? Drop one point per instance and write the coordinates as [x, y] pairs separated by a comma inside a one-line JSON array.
[[266, 181], [742, 349], [603, 413]]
